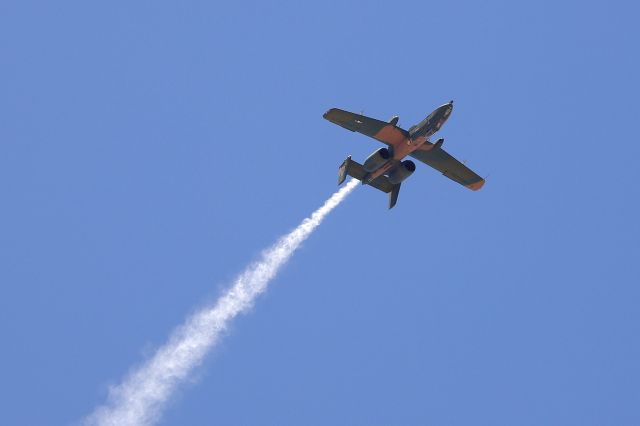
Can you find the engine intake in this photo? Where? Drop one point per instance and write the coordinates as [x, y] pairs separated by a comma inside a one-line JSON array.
[[403, 171], [376, 160]]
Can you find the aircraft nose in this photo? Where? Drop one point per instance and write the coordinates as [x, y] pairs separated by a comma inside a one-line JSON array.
[[447, 108]]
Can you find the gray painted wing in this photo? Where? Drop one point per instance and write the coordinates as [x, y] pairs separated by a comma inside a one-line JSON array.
[[380, 130], [440, 160]]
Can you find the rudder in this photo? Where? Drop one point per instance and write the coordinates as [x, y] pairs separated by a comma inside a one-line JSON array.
[[393, 195]]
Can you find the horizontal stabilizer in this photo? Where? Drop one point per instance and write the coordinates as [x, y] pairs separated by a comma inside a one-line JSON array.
[[351, 168], [357, 171]]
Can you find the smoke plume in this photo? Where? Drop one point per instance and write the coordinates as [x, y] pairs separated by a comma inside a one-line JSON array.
[[143, 394]]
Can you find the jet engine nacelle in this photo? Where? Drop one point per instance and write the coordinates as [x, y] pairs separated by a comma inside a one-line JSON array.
[[402, 172], [376, 160]]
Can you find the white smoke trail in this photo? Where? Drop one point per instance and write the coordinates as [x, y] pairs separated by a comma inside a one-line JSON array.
[[141, 397]]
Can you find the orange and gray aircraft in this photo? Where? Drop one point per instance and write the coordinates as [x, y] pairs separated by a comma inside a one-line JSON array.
[[385, 169]]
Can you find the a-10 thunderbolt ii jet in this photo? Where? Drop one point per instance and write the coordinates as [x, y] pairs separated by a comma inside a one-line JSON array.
[[385, 168]]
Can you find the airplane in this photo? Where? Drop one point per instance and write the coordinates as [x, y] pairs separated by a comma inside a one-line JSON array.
[[385, 168]]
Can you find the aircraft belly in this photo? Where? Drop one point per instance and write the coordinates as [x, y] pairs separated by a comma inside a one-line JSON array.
[[407, 148], [386, 167], [403, 150], [399, 152]]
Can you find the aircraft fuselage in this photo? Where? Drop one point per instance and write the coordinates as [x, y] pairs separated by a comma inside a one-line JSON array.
[[417, 136]]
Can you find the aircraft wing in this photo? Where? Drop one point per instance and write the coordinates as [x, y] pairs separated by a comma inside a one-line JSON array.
[[380, 130], [440, 160]]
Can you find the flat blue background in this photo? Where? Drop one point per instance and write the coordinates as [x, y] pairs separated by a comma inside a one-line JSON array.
[[150, 150]]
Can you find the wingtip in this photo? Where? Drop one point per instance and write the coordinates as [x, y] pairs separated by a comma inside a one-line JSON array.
[[329, 111], [476, 185]]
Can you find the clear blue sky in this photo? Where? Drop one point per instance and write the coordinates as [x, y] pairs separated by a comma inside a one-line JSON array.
[[149, 150]]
